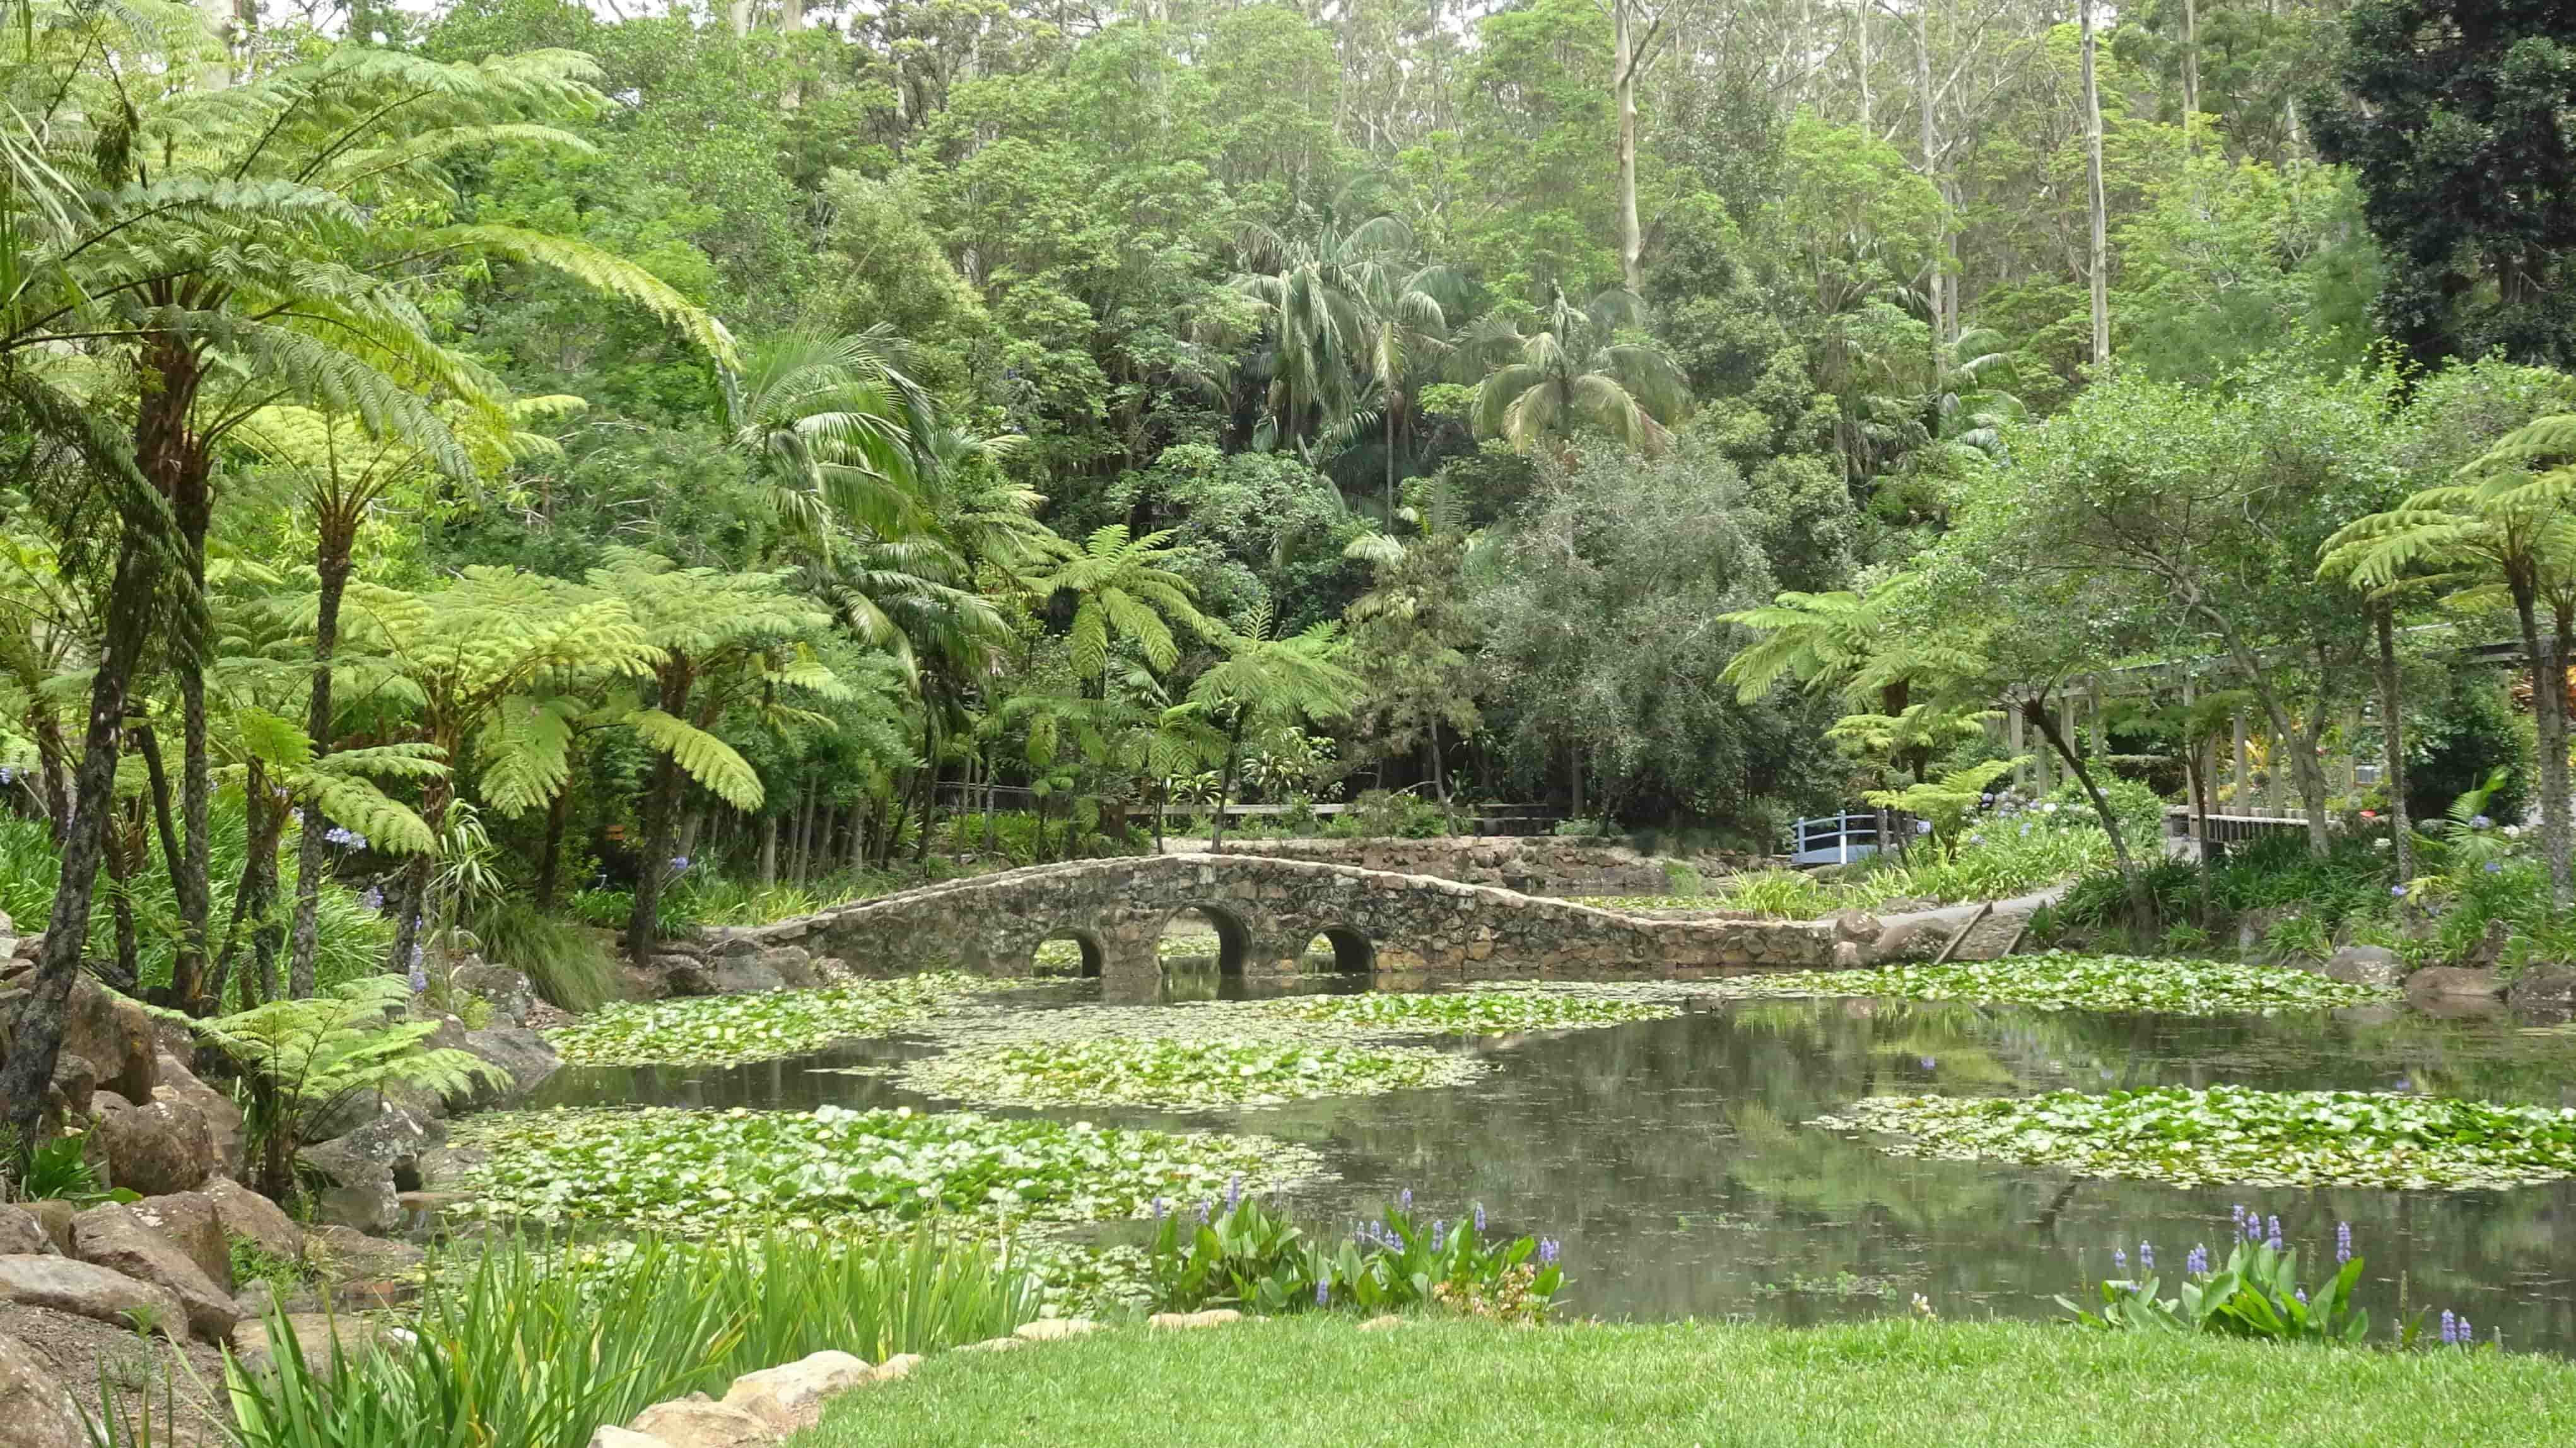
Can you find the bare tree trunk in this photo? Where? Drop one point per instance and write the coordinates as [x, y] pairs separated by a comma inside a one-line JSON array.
[[661, 803], [2549, 714], [1225, 781], [1624, 61], [2393, 743], [2037, 713], [1860, 28], [769, 851], [2101, 243], [2190, 71]]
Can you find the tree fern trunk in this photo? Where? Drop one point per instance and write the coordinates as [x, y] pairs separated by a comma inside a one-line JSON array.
[[29, 1067], [2549, 713], [2393, 743], [661, 802], [331, 561], [550, 859]]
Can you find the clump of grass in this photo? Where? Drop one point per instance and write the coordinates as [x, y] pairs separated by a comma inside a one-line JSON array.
[[566, 964]]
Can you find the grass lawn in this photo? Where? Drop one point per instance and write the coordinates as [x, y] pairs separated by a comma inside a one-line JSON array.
[[1319, 1381]]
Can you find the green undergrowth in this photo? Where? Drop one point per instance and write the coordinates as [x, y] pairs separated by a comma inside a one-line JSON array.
[[696, 1172], [724, 1030], [2232, 1135], [1317, 1381], [1173, 1073], [2060, 980]]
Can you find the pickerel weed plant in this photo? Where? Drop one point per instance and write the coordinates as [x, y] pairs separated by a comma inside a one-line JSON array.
[[1249, 1256], [2257, 1294]]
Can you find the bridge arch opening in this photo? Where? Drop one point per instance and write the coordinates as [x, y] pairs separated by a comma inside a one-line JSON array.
[[1341, 950], [1067, 952], [1203, 937]]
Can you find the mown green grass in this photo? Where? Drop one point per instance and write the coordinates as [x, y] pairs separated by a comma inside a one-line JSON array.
[[1318, 1381]]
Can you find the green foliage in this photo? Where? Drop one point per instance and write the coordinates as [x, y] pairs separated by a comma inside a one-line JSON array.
[[302, 1059], [2234, 1134], [1947, 802], [2255, 1294], [57, 1170], [1250, 1257], [537, 1344], [1475, 1012], [1377, 814]]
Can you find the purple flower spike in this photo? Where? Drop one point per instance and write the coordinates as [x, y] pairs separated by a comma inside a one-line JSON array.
[[2120, 1258], [2468, 1333], [1480, 1219], [2236, 1214], [1234, 1193], [2272, 1230], [2300, 1293], [2343, 1242], [2450, 1328], [1404, 1199], [1547, 1250], [1161, 1206], [1323, 1292], [1204, 1209], [2196, 1263]]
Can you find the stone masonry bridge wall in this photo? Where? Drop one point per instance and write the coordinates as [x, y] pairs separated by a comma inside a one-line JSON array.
[[1530, 865], [1265, 910]]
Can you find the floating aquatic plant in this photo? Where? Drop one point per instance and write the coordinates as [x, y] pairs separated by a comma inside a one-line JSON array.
[[695, 1172], [1477, 1012], [2233, 1134], [2063, 981], [1181, 1073], [726, 1030]]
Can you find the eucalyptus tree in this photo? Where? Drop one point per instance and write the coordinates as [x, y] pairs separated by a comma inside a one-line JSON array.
[[1574, 372]]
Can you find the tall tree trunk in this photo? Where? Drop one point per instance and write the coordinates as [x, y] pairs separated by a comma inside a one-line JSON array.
[[661, 804], [2190, 72], [193, 883], [54, 765], [2100, 264], [1860, 29], [769, 850], [1929, 140], [929, 784], [550, 858], [38, 1041], [2549, 715], [331, 563], [1225, 781], [123, 846], [2037, 713], [2393, 742], [1624, 62]]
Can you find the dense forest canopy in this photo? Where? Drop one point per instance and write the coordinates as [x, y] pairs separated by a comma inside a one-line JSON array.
[[516, 448]]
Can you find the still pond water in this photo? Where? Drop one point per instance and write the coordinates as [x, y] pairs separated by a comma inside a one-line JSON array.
[[1672, 1159]]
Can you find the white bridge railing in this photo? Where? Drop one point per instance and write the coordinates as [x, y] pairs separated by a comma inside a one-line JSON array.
[[1835, 839]]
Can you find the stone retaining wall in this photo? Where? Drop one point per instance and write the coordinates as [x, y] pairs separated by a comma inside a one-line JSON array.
[[1531, 866], [1265, 910]]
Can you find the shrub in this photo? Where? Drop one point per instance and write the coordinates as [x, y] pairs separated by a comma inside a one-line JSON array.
[[1377, 814], [1250, 1257]]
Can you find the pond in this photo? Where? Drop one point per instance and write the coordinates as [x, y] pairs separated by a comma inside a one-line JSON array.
[[1672, 1156]]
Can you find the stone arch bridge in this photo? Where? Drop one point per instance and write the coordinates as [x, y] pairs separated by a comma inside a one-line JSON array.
[[1265, 910]]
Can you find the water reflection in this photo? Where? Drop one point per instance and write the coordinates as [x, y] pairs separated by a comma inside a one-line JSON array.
[[1671, 1156]]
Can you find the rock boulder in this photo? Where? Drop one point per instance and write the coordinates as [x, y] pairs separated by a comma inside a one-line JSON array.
[[2544, 989], [191, 1223], [733, 975], [789, 1397], [156, 1147], [699, 1422], [2454, 982], [22, 1234], [524, 1059], [506, 988], [33, 1402], [117, 1237], [241, 1212], [2369, 965], [85, 1289]]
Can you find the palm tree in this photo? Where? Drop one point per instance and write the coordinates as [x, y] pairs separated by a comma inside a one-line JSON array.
[[1265, 680], [1402, 319], [1122, 588], [1571, 373], [2503, 525], [835, 429], [1317, 292]]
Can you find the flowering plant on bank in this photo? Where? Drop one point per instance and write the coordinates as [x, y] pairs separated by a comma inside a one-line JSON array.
[[1242, 1254], [2256, 1293]]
